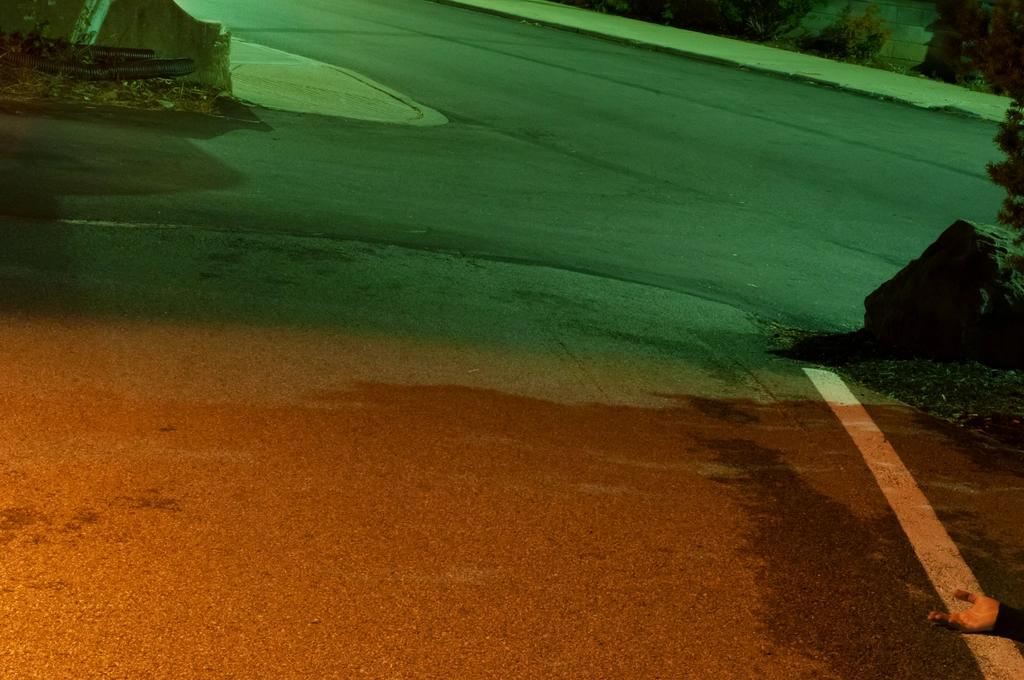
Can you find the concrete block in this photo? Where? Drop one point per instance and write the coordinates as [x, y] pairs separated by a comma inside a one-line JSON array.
[[914, 17], [816, 22], [911, 52], [887, 12], [910, 34], [832, 8], [908, 19], [165, 28]]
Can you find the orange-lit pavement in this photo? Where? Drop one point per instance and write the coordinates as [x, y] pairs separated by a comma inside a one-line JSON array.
[[231, 502]]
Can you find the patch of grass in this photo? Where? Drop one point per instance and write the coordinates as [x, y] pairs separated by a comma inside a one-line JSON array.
[[979, 398]]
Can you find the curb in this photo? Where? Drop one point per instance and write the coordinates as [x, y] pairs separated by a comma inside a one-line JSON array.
[[697, 56]]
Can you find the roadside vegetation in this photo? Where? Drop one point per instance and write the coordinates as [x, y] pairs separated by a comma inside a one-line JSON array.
[[21, 84], [853, 37]]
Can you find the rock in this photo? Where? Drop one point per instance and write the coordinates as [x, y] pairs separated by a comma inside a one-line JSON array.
[[962, 299]]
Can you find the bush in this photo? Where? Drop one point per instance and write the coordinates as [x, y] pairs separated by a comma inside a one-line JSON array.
[[999, 54], [969, 21], [760, 19], [856, 38], [692, 14], [621, 7], [764, 19]]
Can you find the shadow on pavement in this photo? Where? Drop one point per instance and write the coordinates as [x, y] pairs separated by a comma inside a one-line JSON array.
[[93, 161], [467, 532], [39, 261]]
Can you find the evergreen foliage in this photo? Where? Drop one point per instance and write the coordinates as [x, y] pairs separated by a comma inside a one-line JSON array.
[[990, 39]]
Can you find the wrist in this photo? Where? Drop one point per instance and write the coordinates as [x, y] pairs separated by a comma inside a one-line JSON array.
[[1009, 623]]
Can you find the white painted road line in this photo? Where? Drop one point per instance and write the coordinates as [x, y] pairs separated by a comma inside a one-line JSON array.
[[997, 657]]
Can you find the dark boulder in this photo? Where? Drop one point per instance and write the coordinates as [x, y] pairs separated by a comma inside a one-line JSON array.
[[962, 299]]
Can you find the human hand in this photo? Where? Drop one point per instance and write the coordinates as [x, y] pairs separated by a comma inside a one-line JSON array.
[[980, 618]]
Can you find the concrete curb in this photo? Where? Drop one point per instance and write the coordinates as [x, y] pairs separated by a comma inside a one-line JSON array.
[[987, 107], [280, 80]]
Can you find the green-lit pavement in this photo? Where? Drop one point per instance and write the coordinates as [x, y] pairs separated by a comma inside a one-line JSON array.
[[850, 77], [295, 89]]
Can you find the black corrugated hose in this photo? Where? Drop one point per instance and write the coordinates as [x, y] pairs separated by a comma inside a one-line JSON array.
[[116, 63], [100, 53]]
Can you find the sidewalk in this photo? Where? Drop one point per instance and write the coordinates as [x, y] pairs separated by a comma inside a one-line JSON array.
[[873, 82]]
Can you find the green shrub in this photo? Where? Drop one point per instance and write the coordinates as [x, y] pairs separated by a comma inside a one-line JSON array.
[[764, 19], [620, 7], [854, 38]]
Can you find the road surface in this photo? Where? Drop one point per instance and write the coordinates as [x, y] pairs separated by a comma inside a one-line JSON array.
[[295, 397]]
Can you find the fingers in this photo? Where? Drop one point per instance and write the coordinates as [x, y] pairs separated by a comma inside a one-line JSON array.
[[946, 620], [965, 596], [957, 620]]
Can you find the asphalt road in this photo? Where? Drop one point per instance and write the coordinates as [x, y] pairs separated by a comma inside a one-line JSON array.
[[778, 198], [299, 397]]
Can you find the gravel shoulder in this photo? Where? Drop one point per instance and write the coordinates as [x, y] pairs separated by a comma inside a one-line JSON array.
[[986, 401]]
